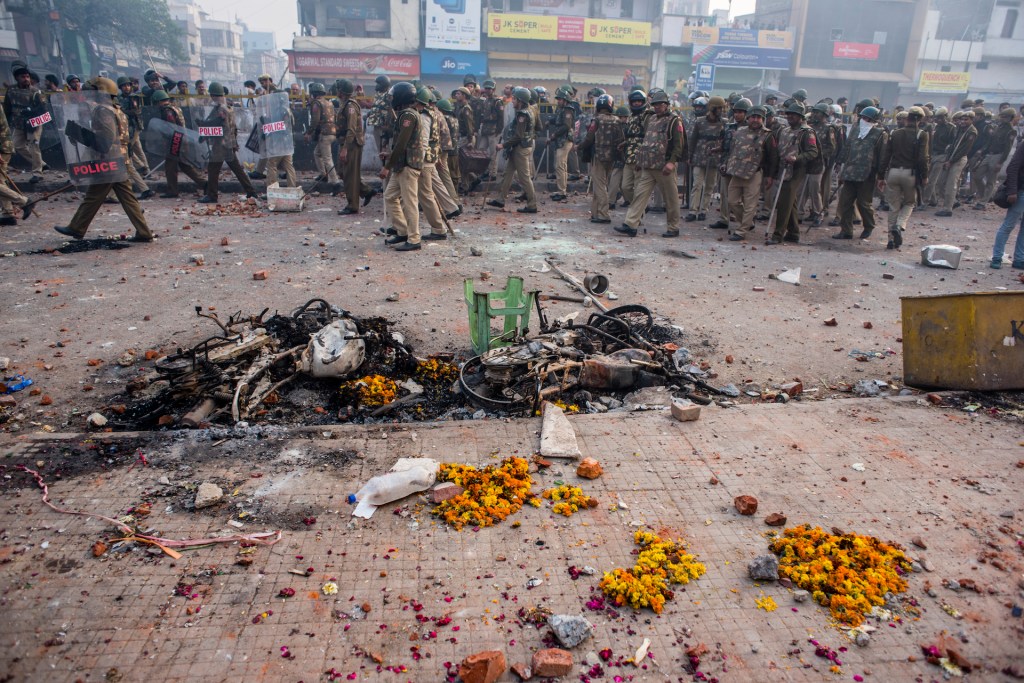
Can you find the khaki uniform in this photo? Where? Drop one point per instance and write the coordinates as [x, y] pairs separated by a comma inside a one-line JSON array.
[[439, 138], [604, 135], [664, 142], [405, 163], [133, 174], [705, 155], [448, 166], [131, 105], [350, 131], [172, 114], [282, 163], [9, 197], [995, 154], [21, 104], [802, 143], [322, 128], [108, 123], [224, 151], [753, 156], [862, 160], [489, 114], [944, 135], [560, 135], [956, 157], [517, 143], [904, 160]]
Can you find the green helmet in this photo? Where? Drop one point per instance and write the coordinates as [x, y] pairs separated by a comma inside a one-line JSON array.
[[866, 103], [622, 110], [345, 86], [489, 84], [796, 108], [563, 93], [123, 80], [769, 110], [218, 90], [822, 108], [800, 94], [870, 113], [742, 104], [314, 89], [159, 96], [658, 95], [521, 94], [595, 92], [757, 110], [445, 106], [424, 96]]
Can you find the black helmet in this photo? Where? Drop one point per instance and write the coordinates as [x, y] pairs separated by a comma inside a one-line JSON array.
[[314, 89], [403, 94], [606, 102], [345, 86], [383, 83], [159, 96]]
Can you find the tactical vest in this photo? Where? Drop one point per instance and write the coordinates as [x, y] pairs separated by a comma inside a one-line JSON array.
[[653, 150], [860, 154], [490, 116], [172, 114], [343, 118], [453, 133], [823, 132], [747, 153], [708, 149], [23, 103], [789, 145], [444, 134], [327, 125], [381, 114], [561, 119], [433, 150], [635, 134], [606, 137], [123, 130], [229, 141]]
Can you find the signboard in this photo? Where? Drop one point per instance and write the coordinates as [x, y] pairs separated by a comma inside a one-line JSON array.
[[737, 37], [452, 25], [336, 64], [855, 50], [704, 77], [275, 127], [37, 121], [211, 131], [944, 82], [742, 57], [453, 62], [571, 29], [96, 172]]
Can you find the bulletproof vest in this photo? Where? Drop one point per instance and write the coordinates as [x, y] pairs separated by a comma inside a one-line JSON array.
[[490, 115], [433, 137], [560, 118], [606, 137], [327, 125], [230, 139], [635, 133], [453, 132], [708, 149], [381, 114], [860, 154], [172, 114], [22, 102], [531, 128], [746, 153], [343, 117], [654, 147], [823, 131]]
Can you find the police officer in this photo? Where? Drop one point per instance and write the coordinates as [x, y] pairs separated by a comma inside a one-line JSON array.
[[739, 108], [131, 105], [560, 135], [615, 180], [797, 149], [489, 115], [108, 124], [943, 133], [817, 176], [601, 146], [438, 140], [224, 149], [992, 157], [9, 196], [517, 145], [753, 160], [634, 135], [172, 114], [448, 165], [22, 103], [704, 142], [904, 167], [323, 131], [352, 139], [381, 117], [659, 153], [862, 161], [402, 167], [956, 159]]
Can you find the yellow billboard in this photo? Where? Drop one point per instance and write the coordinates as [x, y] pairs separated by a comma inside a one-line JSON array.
[[700, 35], [780, 40], [568, 29], [944, 82], [617, 32], [526, 26]]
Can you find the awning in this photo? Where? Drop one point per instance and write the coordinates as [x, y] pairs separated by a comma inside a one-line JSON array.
[[530, 72]]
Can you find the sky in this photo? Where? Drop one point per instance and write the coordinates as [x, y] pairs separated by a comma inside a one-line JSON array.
[[281, 16]]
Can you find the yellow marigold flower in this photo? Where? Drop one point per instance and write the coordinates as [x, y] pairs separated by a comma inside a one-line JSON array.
[[330, 588]]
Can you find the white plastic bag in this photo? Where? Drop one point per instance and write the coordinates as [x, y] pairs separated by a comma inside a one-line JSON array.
[[333, 351]]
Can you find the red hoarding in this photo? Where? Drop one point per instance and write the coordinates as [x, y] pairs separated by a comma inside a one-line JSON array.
[[352, 63], [855, 50]]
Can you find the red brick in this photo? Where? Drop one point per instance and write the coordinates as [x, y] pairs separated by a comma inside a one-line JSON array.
[[445, 491], [483, 667], [589, 469], [259, 275], [775, 519], [745, 505], [524, 672], [552, 663]]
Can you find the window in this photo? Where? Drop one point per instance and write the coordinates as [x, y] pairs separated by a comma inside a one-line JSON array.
[[981, 66], [1009, 23], [360, 19]]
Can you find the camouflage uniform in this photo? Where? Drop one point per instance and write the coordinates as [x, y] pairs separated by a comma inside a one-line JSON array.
[[20, 105], [489, 113], [323, 129], [634, 135], [560, 134], [705, 141], [817, 183], [517, 143], [862, 160], [8, 195], [801, 143], [753, 156], [382, 119], [604, 135], [944, 134], [664, 143]]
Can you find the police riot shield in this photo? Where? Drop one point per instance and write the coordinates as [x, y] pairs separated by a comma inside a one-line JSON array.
[[165, 140], [91, 141], [210, 129], [274, 125]]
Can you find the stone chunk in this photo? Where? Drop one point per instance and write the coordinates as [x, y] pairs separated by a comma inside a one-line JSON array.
[[801, 595], [557, 437], [483, 667], [793, 389], [445, 491], [745, 505], [589, 469], [775, 519], [685, 411], [524, 672], [570, 630], [96, 420], [208, 494], [552, 663], [764, 568], [259, 275]]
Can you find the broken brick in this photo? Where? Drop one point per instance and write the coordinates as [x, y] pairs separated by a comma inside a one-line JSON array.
[[483, 667], [445, 491], [589, 469], [552, 663], [775, 519], [745, 505], [259, 275]]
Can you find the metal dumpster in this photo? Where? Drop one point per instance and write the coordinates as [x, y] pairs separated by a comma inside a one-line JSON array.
[[964, 341]]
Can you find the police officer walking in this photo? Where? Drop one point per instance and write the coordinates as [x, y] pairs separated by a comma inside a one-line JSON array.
[[862, 161], [560, 135], [634, 135], [904, 167], [753, 159], [402, 168], [323, 131], [224, 148], [350, 129], [22, 103], [705, 155], [602, 141], [170, 113], [517, 145]]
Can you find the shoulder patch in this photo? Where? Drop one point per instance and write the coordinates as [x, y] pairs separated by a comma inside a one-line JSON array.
[[811, 139], [406, 123]]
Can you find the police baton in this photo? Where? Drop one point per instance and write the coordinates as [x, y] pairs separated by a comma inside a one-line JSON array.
[[775, 202]]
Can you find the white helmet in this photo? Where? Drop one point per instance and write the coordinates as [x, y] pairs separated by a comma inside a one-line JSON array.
[[837, 110], [700, 102]]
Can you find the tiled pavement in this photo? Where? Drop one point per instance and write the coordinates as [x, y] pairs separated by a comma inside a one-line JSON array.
[[930, 472]]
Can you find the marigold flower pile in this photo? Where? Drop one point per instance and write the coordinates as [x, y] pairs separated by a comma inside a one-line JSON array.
[[849, 574], [372, 390], [646, 584], [489, 495], [435, 370], [568, 500]]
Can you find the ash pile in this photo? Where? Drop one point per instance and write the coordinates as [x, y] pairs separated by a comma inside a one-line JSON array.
[[321, 365]]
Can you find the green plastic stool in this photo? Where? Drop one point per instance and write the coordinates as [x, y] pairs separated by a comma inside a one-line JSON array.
[[511, 302]]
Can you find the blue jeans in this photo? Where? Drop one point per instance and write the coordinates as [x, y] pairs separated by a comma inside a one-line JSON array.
[[1014, 219]]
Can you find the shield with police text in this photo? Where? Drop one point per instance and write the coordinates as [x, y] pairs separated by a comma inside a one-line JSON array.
[[273, 125], [166, 140], [92, 135], [213, 129]]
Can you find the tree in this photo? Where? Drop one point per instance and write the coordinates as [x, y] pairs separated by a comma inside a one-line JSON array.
[[145, 23]]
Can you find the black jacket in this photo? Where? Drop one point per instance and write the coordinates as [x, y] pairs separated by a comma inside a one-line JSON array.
[[1015, 170]]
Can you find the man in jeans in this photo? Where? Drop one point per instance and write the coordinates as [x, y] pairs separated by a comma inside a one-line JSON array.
[[1014, 215]]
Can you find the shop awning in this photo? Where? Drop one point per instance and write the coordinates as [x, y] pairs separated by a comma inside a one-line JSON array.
[[529, 72]]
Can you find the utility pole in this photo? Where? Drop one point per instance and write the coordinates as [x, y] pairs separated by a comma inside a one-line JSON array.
[[58, 39]]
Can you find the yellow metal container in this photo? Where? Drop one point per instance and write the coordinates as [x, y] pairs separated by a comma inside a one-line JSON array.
[[964, 341]]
